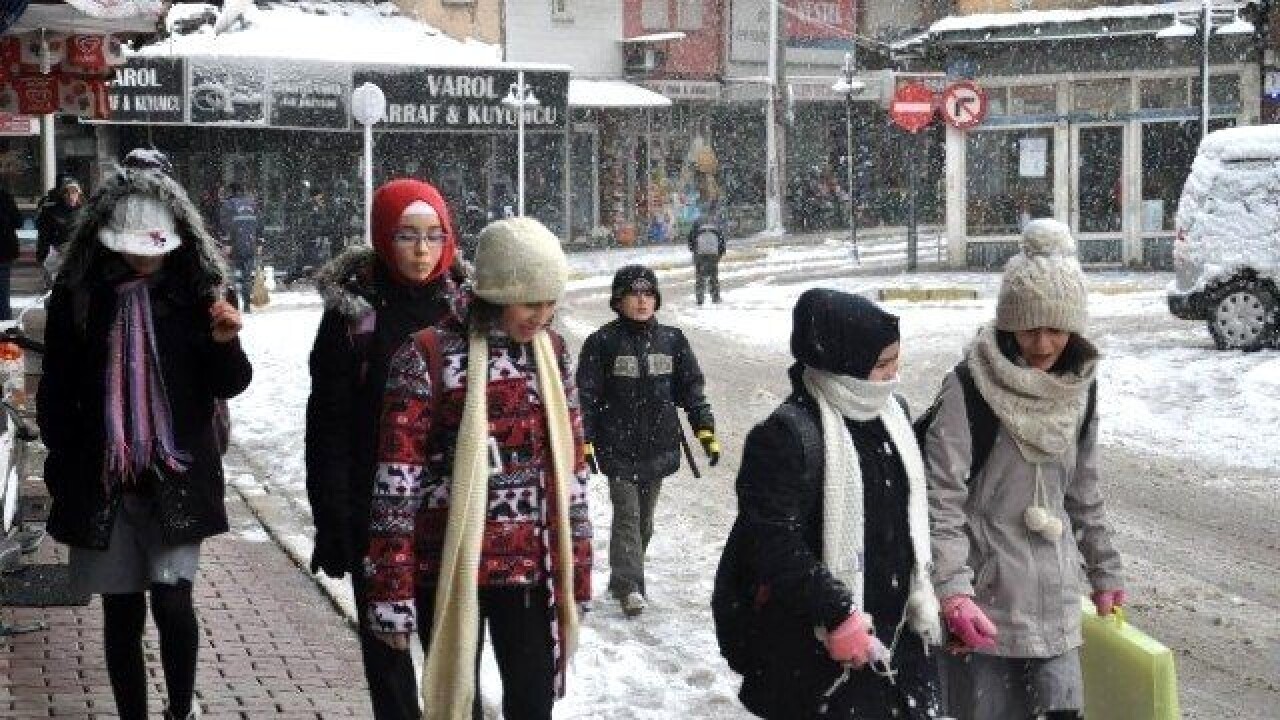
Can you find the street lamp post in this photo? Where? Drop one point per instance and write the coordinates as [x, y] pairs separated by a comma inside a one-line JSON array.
[[520, 97], [1179, 31], [848, 85], [368, 107]]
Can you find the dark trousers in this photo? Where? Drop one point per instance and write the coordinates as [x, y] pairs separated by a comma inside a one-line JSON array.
[[6, 310], [244, 268], [707, 271], [519, 623], [393, 687], [634, 502]]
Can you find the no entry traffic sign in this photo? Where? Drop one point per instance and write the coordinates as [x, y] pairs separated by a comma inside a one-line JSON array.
[[912, 107], [964, 104]]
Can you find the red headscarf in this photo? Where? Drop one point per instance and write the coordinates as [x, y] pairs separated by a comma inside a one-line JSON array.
[[389, 203]]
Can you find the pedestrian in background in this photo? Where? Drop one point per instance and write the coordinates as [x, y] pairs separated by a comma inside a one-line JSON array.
[[480, 497], [1015, 501], [238, 220], [706, 242], [10, 249], [633, 375], [54, 219], [375, 298], [832, 535], [139, 346]]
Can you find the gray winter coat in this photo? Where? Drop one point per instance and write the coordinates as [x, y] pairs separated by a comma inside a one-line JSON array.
[[1028, 586]]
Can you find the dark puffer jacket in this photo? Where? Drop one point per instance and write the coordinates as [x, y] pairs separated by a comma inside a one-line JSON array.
[[367, 317], [631, 378], [196, 370], [780, 516]]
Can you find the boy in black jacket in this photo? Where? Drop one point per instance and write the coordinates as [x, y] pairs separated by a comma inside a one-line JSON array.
[[632, 374]]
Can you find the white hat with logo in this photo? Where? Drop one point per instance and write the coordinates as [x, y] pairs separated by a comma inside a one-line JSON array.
[[140, 225]]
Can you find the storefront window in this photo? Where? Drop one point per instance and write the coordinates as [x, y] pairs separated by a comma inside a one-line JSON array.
[[20, 168], [1101, 97], [1163, 92], [1224, 93], [997, 101], [1009, 179], [1033, 100], [1101, 160], [1167, 151]]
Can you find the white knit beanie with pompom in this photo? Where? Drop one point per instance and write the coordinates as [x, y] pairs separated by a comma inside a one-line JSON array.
[[1043, 286], [518, 260]]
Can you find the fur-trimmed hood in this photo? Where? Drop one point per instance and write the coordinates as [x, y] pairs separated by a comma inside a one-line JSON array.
[[350, 283], [199, 255]]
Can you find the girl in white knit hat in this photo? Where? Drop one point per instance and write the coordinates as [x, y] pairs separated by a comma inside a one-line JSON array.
[[479, 504], [1015, 505]]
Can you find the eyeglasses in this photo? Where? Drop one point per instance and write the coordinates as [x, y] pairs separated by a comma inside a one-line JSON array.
[[406, 236]]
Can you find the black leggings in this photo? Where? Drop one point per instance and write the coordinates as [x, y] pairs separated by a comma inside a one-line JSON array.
[[124, 617]]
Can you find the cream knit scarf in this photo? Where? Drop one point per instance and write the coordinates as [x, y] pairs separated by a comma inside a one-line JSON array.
[[448, 682], [844, 521], [1042, 411]]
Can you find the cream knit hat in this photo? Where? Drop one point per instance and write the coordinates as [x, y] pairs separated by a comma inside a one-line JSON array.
[[519, 260], [1043, 286]]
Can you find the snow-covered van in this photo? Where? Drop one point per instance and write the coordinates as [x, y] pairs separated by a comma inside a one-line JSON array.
[[1226, 255]]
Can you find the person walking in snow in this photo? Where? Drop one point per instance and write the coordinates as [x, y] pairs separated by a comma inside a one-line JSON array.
[[1015, 501], [375, 298], [57, 213], [140, 344], [832, 531], [238, 220], [633, 374], [479, 499], [706, 242]]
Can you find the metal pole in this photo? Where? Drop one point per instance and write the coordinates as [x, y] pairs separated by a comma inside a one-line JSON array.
[[773, 171], [48, 152], [848, 131], [520, 143], [368, 183], [1206, 27], [911, 204]]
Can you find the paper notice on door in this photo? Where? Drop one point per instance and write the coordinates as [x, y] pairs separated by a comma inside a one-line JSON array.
[[1033, 156]]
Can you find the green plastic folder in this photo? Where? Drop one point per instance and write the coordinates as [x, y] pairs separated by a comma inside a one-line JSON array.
[[1128, 675]]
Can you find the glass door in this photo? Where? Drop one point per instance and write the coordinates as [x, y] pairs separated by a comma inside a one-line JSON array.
[[1097, 169]]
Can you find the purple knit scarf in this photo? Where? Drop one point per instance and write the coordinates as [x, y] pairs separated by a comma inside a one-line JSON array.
[[139, 425]]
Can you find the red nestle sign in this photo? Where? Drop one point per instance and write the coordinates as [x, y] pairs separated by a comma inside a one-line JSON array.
[[912, 107]]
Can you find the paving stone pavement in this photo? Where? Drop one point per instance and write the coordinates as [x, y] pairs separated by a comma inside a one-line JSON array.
[[273, 646]]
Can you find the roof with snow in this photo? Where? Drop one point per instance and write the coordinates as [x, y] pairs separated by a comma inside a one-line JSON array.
[[612, 94], [1040, 25], [340, 32]]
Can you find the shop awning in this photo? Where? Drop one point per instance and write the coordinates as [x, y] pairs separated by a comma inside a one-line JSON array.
[[612, 94], [655, 37], [66, 18]]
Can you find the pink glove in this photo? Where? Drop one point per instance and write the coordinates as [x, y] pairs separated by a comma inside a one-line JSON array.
[[967, 622], [851, 641], [1107, 601]]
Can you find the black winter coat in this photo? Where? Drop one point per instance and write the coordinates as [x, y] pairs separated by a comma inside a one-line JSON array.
[[631, 377], [780, 509], [348, 378], [196, 370], [53, 225]]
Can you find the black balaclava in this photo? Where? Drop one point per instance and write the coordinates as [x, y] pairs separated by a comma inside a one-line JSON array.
[[839, 332], [634, 277]]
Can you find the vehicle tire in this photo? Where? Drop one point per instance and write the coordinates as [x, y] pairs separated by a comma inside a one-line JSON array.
[[1243, 316]]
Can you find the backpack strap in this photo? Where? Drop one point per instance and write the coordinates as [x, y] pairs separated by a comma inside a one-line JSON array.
[[803, 425], [1090, 409], [983, 424]]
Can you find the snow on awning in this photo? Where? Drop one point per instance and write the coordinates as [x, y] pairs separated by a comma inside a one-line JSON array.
[[612, 94], [118, 9], [65, 18], [655, 37], [1096, 22], [339, 32]]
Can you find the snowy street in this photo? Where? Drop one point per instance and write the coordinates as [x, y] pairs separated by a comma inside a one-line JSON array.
[[1190, 468]]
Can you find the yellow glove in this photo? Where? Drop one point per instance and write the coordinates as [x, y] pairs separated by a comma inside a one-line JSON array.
[[589, 454], [710, 445]]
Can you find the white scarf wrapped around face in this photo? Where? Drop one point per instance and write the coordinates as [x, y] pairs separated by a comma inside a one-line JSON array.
[[844, 517]]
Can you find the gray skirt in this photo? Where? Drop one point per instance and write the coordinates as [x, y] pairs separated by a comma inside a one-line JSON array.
[[982, 687], [135, 558]]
